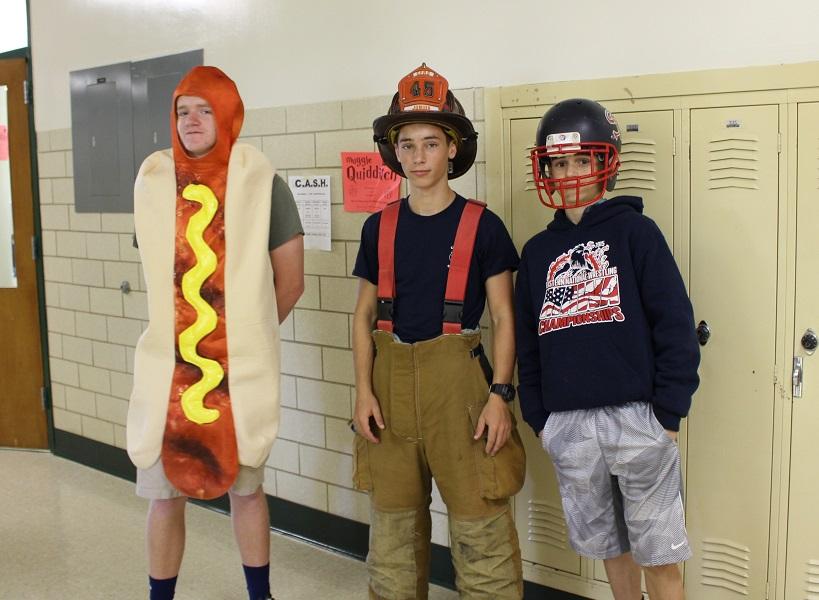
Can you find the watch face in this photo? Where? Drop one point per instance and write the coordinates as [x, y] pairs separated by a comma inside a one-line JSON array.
[[504, 390]]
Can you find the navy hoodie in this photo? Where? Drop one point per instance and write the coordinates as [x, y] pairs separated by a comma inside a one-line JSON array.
[[603, 317]]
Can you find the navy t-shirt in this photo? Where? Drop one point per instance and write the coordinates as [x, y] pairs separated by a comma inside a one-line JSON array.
[[423, 246]]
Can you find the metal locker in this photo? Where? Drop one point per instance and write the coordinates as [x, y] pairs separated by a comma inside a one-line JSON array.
[[648, 171], [647, 164], [733, 274], [529, 216], [802, 569], [101, 130]]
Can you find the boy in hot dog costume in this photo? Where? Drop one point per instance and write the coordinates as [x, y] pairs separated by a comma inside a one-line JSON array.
[[427, 404], [221, 247]]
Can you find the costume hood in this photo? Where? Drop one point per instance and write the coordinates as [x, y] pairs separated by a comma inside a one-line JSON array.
[[219, 90]]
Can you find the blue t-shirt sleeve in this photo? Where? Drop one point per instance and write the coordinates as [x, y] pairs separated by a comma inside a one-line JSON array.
[[494, 250], [366, 263]]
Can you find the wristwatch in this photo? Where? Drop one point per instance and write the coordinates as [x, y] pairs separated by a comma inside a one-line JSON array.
[[504, 390]]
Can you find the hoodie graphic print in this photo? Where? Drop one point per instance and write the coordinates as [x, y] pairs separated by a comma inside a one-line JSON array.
[[581, 288]]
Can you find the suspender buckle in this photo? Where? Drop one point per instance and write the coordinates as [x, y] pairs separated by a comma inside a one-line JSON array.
[[453, 311], [384, 309]]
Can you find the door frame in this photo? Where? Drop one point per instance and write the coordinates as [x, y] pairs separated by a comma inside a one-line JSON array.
[[25, 53]]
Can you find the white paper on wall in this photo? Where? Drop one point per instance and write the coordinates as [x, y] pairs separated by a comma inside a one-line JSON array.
[[8, 274], [312, 195]]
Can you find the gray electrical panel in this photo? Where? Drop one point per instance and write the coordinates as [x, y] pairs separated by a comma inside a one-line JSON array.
[[101, 128], [119, 115], [153, 82]]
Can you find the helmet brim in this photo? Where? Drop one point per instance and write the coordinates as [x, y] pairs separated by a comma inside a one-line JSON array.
[[467, 148]]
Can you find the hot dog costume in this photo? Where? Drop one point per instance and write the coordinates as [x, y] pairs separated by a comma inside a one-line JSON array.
[[206, 370]]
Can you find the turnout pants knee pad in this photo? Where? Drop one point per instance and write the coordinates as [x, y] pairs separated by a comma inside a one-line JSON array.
[[398, 560], [486, 556]]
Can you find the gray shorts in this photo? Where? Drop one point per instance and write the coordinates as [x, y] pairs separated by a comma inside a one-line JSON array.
[[152, 484], [620, 483]]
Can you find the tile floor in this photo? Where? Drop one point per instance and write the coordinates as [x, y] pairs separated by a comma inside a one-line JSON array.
[[69, 532]]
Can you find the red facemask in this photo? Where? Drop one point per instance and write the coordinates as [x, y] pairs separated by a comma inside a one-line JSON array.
[[567, 192]]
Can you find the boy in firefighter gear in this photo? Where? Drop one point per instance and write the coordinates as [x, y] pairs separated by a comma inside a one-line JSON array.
[[427, 402], [607, 356]]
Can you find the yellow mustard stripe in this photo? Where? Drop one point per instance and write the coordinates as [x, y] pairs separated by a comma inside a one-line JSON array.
[[193, 398]]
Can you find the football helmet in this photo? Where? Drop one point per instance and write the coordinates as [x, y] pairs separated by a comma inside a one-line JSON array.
[[570, 127]]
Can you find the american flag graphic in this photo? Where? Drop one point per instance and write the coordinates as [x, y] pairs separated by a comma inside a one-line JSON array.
[[580, 282], [585, 296]]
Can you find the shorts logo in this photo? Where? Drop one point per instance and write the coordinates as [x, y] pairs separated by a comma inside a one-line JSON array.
[[581, 288], [675, 546]]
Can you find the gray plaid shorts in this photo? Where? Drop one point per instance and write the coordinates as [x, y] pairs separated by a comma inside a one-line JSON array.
[[620, 483]]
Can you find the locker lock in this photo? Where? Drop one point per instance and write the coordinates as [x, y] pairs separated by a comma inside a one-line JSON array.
[[703, 333], [810, 341]]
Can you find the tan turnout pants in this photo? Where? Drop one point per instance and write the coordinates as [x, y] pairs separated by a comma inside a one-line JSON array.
[[431, 394]]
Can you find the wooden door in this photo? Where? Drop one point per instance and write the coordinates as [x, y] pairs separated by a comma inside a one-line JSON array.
[[22, 415]]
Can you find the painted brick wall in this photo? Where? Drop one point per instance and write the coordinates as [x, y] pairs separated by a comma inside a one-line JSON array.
[[93, 326]]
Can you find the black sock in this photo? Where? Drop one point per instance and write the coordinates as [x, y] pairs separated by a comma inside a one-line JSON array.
[[258, 581], [162, 589]]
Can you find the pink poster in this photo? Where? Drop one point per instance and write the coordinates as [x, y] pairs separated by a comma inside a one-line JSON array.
[[4, 142], [369, 185]]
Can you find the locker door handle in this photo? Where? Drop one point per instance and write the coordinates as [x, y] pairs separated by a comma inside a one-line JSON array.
[[809, 341], [703, 333], [797, 376]]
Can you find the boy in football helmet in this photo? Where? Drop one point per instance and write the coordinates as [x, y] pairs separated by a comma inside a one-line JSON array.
[[607, 355]]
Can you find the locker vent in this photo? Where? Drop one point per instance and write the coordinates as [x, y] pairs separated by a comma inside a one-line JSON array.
[[638, 165], [733, 162], [726, 565], [546, 524], [812, 581]]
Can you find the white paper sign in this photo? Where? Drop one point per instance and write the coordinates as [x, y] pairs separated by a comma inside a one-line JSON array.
[[312, 194], [8, 274]]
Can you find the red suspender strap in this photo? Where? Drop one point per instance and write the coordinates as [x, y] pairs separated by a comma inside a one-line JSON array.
[[386, 265], [459, 266]]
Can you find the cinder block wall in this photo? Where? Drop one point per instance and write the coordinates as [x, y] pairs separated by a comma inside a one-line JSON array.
[[93, 326]]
